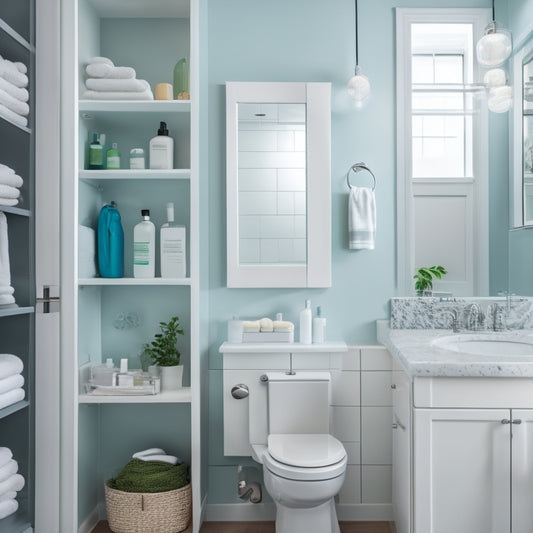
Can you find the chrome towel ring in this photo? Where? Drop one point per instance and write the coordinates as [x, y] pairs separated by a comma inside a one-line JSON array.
[[357, 167]]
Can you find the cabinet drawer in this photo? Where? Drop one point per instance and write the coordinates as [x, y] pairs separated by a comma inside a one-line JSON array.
[[473, 392]]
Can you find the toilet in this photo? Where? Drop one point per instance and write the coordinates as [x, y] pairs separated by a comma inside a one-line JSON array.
[[303, 465]]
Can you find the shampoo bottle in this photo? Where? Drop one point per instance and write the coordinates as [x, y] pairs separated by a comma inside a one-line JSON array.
[[110, 242], [96, 154], [144, 247], [162, 149], [319, 327], [173, 264], [306, 323]]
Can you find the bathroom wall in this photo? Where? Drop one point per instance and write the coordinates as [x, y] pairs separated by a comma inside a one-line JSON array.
[[313, 40]]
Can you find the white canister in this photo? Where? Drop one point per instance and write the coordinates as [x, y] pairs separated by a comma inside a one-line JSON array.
[[137, 158]]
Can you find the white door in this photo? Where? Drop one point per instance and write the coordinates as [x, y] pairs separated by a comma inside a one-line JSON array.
[[462, 471]]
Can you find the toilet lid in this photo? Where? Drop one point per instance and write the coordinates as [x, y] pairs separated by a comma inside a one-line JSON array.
[[308, 451]]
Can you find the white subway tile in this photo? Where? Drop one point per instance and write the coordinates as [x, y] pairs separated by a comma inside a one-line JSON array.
[[345, 388], [257, 179], [375, 388], [292, 179], [257, 203], [249, 251], [346, 423], [277, 227], [351, 360], [375, 358], [286, 251], [353, 451], [300, 251], [257, 141], [300, 203], [269, 251], [376, 435], [300, 226], [350, 492], [285, 203], [299, 141], [377, 483], [284, 160], [285, 141], [249, 227], [291, 113]]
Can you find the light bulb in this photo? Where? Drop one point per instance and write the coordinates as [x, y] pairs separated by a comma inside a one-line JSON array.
[[358, 86], [495, 77], [500, 99], [493, 49]]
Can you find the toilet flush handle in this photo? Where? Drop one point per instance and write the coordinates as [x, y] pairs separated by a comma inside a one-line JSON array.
[[240, 391]]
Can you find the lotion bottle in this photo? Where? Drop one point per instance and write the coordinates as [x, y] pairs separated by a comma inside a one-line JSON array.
[[162, 149], [306, 323], [173, 253], [144, 247], [319, 327]]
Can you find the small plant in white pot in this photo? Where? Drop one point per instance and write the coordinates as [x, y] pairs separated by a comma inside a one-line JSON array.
[[164, 353]]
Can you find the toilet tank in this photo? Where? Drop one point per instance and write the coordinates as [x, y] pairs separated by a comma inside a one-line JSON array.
[[299, 403]]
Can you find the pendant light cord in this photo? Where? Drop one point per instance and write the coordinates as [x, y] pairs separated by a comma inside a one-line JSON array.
[[493, 11], [357, 36]]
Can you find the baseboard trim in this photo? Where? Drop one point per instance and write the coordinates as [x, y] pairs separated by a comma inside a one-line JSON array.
[[372, 512], [90, 522]]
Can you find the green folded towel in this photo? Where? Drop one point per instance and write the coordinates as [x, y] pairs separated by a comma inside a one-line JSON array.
[[142, 476]]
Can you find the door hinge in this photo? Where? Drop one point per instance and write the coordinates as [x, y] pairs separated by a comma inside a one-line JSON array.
[[49, 303]]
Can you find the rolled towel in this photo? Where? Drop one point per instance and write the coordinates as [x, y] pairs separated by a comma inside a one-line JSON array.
[[266, 325], [170, 459], [16, 92], [8, 507], [15, 482], [6, 191], [100, 59], [10, 383], [17, 119], [283, 325], [8, 470], [6, 299], [9, 202], [103, 70], [13, 180], [149, 451], [10, 365], [11, 74], [22, 108], [21, 67], [5, 455], [4, 169], [9, 495], [251, 325], [6, 290], [361, 218], [11, 397], [118, 95], [105, 84]]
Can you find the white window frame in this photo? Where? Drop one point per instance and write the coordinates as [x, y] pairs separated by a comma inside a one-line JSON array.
[[405, 17]]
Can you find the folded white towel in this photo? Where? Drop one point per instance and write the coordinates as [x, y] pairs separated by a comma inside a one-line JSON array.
[[11, 397], [6, 290], [105, 84], [251, 325], [15, 482], [15, 65], [8, 470], [5, 272], [9, 495], [10, 383], [22, 108], [17, 119], [5, 455], [14, 180], [170, 459], [100, 59], [149, 451], [283, 325], [362, 218], [11, 74], [10, 202], [10, 365], [6, 299], [4, 169], [103, 70], [118, 95], [8, 507], [16, 92], [266, 324], [6, 191]]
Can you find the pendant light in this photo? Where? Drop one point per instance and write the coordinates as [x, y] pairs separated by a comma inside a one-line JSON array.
[[358, 86], [495, 47]]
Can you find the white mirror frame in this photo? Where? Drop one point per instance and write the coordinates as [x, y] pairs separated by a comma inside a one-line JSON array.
[[317, 271]]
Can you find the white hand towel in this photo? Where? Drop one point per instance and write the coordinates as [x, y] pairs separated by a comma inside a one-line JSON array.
[[22, 108], [10, 365], [14, 180], [112, 95], [17, 119], [266, 324], [11, 74], [149, 451], [10, 383], [6, 191], [283, 325], [103, 70], [5, 272], [6, 290], [362, 218], [8, 470], [9, 202], [5, 456], [10, 495], [100, 59], [105, 84], [15, 482], [8, 507], [4, 169], [11, 397], [251, 325], [16, 92]]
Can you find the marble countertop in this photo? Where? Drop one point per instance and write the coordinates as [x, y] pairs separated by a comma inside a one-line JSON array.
[[413, 350]]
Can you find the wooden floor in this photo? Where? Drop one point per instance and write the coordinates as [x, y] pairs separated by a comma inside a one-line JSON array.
[[268, 527]]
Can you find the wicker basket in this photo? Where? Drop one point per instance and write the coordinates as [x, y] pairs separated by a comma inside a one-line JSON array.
[[141, 512]]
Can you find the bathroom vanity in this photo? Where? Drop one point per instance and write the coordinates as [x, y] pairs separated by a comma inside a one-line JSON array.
[[461, 426]]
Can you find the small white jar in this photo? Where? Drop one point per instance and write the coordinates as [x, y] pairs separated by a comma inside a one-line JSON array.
[[137, 158]]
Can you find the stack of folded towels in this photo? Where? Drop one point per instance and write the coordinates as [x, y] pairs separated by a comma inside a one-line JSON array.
[[11, 482], [11, 380], [6, 290], [107, 82], [13, 93], [9, 185]]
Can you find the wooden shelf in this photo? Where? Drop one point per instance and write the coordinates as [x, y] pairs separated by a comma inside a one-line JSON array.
[[6, 28], [14, 309], [180, 396], [10, 409], [102, 176], [134, 106], [134, 281]]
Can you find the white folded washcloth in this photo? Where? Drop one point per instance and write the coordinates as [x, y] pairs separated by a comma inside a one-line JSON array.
[[14, 180], [103, 70], [10, 73], [118, 95], [11, 397], [149, 451], [266, 324], [170, 459], [361, 218], [6, 290], [6, 191], [9, 202], [9, 495], [8, 470], [5, 455], [106, 84], [21, 67], [17, 119], [15, 482], [8, 507], [10, 365], [16, 92], [10, 383], [283, 325], [251, 325], [6, 299], [100, 59], [22, 108], [4, 169]]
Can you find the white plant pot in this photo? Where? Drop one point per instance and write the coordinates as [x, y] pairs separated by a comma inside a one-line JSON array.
[[171, 377], [153, 370]]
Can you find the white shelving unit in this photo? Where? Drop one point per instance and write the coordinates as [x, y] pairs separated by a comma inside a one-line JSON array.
[[99, 444]]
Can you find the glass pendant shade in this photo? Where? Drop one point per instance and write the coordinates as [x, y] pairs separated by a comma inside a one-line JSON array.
[[495, 77], [495, 47], [359, 86], [500, 99]]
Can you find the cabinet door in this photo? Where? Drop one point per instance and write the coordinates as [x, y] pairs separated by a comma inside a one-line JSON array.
[[401, 452], [522, 471], [461, 471]]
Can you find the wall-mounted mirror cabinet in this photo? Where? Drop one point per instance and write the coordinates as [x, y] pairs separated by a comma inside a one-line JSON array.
[[278, 184]]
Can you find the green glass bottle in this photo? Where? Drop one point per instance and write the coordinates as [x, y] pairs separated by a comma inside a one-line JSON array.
[[96, 154], [181, 80]]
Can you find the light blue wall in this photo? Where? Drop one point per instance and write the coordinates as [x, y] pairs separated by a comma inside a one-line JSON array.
[[313, 40]]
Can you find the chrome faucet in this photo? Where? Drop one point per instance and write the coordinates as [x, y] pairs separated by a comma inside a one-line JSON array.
[[475, 318], [498, 317], [455, 319]]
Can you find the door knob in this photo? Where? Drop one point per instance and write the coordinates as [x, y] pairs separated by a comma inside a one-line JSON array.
[[240, 391]]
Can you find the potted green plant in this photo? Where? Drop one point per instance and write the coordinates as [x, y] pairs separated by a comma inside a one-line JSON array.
[[164, 353], [424, 279]]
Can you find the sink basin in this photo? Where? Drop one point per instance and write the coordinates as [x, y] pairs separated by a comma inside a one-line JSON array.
[[489, 345]]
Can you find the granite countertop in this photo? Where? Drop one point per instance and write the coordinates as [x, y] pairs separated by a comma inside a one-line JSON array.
[[413, 350]]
